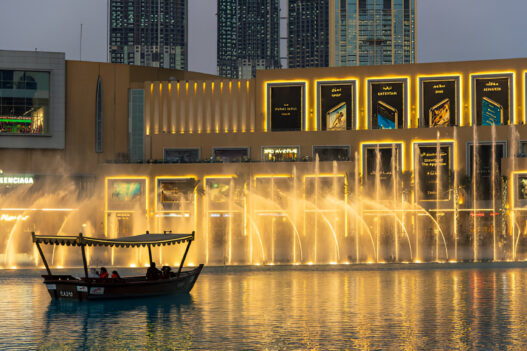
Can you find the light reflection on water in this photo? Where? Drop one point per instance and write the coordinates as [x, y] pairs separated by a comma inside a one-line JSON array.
[[461, 307]]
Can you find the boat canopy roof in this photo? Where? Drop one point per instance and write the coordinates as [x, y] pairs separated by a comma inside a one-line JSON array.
[[128, 241]]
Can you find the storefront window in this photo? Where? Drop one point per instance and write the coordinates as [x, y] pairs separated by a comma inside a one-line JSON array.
[[231, 155], [331, 153], [181, 155], [24, 102], [280, 153]]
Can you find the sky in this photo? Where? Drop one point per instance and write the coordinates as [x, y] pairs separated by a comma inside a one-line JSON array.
[[447, 30]]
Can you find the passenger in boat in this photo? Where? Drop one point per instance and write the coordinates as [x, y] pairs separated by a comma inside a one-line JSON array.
[[165, 272], [152, 272], [103, 274], [115, 275]]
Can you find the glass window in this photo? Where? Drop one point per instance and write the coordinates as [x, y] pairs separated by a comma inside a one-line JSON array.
[[181, 155], [231, 155], [331, 153], [136, 124], [24, 102], [523, 149], [280, 153]]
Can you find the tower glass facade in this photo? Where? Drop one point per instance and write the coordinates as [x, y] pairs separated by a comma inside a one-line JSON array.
[[149, 33], [248, 37], [308, 25], [351, 32]]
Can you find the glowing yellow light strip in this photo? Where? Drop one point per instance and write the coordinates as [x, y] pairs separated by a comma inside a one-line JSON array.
[[337, 81], [524, 115], [39, 209], [325, 175], [267, 84], [496, 74], [285, 175], [217, 176], [106, 211]]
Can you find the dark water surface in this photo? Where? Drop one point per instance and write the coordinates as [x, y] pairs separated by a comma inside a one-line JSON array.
[[425, 307]]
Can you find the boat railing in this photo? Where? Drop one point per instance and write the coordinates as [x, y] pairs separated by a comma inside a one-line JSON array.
[[59, 277]]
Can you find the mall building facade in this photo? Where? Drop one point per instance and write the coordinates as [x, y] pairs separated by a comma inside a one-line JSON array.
[[250, 164]]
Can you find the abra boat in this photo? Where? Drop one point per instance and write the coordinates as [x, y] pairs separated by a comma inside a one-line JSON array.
[[72, 288]]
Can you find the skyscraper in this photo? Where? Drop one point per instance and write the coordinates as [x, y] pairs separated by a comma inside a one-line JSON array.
[[248, 37], [308, 27], [351, 32], [149, 33]]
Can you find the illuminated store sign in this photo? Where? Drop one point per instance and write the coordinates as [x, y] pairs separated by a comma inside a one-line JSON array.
[[286, 106], [492, 96], [10, 218], [336, 105], [277, 154], [439, 103], [16, 179], [387, 107], [434, 172]]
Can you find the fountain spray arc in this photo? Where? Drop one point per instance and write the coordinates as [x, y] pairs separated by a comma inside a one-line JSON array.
[[370, 210]]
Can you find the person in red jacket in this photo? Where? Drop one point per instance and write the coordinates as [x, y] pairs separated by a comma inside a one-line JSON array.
[[103, 274]]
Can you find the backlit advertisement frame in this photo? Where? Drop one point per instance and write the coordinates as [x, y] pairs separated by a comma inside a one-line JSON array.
[[387, 103], [484, 175], [368, 163], [223, 194], [439, 101], [425, 155], [126, 194], [283, 112], [492, 97], [521, 194], [336, 105], [170, 198]]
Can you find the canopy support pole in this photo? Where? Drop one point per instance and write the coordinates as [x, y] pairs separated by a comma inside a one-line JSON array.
[[183, 260], [149, 251], [84, 258], [150, 254], [41, 254]]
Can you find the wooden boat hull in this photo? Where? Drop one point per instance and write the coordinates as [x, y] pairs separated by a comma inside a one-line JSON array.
[[70, 288]]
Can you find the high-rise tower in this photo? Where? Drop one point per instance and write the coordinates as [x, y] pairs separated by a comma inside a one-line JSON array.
[[149, 33], [351, 32], [248, 37]]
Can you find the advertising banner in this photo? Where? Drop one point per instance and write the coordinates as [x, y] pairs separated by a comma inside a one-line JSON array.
[[439, 103], [286, 107], [126, 194], [336, 106], [434, 172], [484, 168], [223, 194], [522, 187], [175, 194], [386, 156], [492, 100], [387, 108]]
